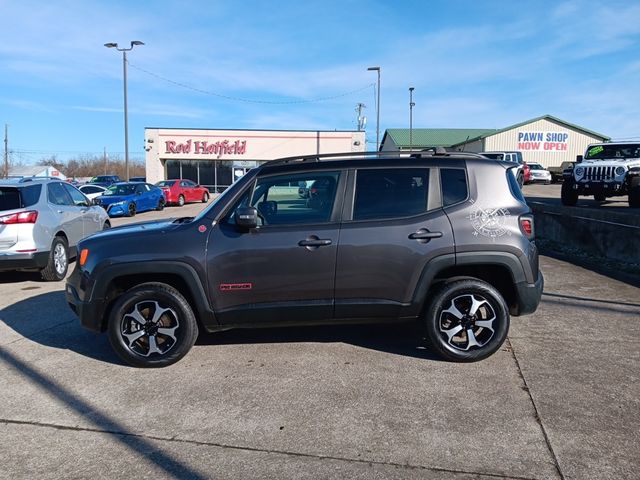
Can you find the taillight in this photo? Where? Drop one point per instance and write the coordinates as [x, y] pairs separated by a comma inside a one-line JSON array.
[[29, 216], [526, 225], [313, 191]]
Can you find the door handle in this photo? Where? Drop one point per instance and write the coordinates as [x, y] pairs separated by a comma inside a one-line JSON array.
[[317, 242], [423, 235]]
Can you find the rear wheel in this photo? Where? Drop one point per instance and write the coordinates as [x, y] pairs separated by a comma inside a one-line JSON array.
[[152, 325], [106, 226], [467, 320], [58, 262], [160, 205], [568, 195], [181, 200]]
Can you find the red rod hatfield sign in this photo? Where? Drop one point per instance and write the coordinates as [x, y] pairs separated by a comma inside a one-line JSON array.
[[226, 147]]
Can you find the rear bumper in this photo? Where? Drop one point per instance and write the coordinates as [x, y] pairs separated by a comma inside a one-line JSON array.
[[23, 261], [529, 295]]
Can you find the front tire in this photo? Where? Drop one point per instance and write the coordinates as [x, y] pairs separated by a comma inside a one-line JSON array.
[[634, 193], [568, 195], [205, 197], [181, 201], [152, 325], [131, 210], [467, 320], [58, 262]]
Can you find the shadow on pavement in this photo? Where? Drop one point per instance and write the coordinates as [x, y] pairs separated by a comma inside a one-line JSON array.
[[46, 319]]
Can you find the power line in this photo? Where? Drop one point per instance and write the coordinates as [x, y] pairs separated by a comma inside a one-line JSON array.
[[248, 100]]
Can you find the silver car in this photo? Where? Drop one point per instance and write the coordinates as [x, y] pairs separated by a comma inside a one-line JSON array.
[[41, 223]]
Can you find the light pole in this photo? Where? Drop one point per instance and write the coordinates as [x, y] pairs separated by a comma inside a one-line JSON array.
[[126, 119], [377, 69], [411, 105]]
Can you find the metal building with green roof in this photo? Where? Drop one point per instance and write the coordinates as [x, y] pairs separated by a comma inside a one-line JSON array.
[[547, 140]]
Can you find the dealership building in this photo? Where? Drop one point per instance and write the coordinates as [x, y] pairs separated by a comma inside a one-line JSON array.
[[216, 158], [546, 140]]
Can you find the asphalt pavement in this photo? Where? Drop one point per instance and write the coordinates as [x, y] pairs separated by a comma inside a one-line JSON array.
[[559, 400]]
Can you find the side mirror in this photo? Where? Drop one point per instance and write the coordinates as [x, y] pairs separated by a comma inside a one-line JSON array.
[[579, 158], [246, 217]]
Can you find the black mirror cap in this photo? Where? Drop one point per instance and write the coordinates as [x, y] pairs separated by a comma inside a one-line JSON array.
[[247, 217]]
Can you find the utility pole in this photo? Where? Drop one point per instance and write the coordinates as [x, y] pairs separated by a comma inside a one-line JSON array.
[[6, 151], [105, 160], [411, 105], [362, 121]]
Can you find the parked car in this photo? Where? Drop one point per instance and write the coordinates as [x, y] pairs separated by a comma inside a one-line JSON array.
[[105, 180], [442, 239], [181, 191], [513, 157], [41, 223], [526, 173], [557, 173], [321, 192], [92, 191], [138, 179], [538, 174], [129, 198]]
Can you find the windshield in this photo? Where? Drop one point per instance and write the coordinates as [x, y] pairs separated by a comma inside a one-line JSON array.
[[536, 166], [599, 152], [165, 183], [120, 190]]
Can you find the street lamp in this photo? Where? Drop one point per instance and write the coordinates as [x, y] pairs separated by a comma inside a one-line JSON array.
[[126, 120], [377, 69], [411, 105]]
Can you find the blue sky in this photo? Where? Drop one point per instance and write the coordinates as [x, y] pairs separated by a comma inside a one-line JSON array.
[[303, 65]]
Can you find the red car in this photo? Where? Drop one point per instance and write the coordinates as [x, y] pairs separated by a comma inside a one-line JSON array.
[[178, 192], [527, 173]]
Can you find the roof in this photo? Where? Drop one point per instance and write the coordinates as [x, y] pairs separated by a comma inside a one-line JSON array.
[[434, 137], [27, 171], [451, 137]]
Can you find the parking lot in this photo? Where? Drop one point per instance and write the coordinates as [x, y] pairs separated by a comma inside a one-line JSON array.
[[559, 400]]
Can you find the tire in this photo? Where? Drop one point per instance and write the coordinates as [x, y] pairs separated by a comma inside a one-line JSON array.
[[520, 179], [634, 193], [160, 206], [456, 333], [568, 196], [58, 262], [600, 197], [131, 210], [171, 341], [106, 226], [205, 197], [181, 201]]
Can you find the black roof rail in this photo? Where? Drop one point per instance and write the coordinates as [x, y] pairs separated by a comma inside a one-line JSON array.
[[31, 179], [318, 157]]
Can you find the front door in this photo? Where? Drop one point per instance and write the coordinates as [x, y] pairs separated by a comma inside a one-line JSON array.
[[284, 270]]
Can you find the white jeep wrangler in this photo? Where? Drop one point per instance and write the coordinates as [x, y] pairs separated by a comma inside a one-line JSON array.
[[606, 170]]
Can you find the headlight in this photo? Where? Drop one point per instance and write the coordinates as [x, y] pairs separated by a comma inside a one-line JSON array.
[[579, 171], [620, 171]]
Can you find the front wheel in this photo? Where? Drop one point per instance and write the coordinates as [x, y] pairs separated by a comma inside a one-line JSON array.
[[467, 320], [634, 193], [181, 201], [152, 325], [131, 210], [205, 197], [58, 262], [568, 195]]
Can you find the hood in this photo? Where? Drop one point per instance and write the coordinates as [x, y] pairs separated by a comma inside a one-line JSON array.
[[151, 227]]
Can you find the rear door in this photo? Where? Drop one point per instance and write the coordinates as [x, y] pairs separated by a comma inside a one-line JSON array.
[[284, 270], [69, 216], [393, 228]]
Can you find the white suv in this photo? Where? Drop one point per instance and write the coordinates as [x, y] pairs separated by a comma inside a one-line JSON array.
[[41, 223]]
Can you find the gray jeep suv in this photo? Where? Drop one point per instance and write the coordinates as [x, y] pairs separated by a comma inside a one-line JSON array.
[[445, 239]]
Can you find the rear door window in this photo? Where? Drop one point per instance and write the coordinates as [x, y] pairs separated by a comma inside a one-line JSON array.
[[454, 185], [390, 193]]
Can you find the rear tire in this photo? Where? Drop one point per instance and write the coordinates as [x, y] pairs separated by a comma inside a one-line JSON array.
[[58, 262], [140, 341], [181, 201], [467, 320], [160, 206], [568, 196]]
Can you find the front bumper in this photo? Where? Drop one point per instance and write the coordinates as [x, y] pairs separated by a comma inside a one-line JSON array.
[[599, 187], [89, 311], [529, 295]]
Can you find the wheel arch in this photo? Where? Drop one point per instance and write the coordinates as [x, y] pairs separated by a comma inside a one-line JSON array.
[[120, 278]]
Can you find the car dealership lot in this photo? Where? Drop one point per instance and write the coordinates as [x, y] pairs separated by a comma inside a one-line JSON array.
[[559, 400]]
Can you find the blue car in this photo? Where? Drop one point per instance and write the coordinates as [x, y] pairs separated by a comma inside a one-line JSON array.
[[129, 198]]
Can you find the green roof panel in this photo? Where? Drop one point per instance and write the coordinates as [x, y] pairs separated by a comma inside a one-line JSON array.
[[435, 137]]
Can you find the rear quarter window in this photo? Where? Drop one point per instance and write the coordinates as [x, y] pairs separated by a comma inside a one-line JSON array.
[[12, 198], [454, 185]]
